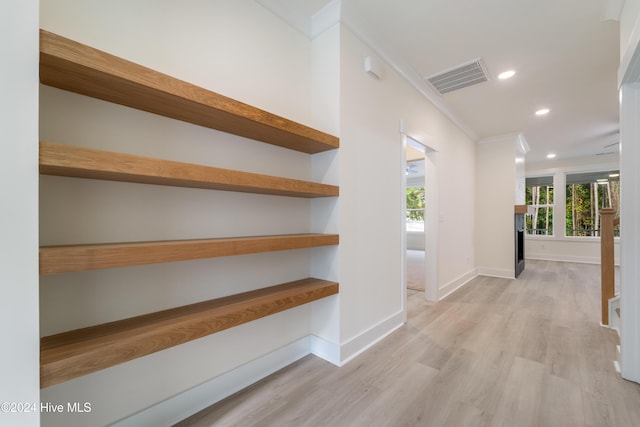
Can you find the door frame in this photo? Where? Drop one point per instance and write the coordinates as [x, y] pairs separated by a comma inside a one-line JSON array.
[[431, 285]]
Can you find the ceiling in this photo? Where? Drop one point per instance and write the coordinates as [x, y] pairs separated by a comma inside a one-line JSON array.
[[565, 54]]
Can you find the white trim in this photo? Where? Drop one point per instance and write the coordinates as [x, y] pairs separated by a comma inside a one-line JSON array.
[[298, 18], [362, 342], [324, 349], [189, 402], [564, 258], [614, 318], [432, 225], [430, 243], [335, 12], [293, 16], [353, 21], [572, 239], [325, 18], [524, 145], [507, 137], [501, 273], [456, 284], [404, 234], [611, 10], [564, 169]]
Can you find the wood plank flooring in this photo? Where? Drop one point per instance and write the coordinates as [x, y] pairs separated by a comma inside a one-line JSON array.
[[525, 352]]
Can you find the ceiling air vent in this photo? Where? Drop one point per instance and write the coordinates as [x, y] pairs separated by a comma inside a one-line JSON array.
[[467, 74]]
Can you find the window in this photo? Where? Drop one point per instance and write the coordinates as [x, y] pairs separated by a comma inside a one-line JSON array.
[[587, 193], [540, 198], [415, 208]]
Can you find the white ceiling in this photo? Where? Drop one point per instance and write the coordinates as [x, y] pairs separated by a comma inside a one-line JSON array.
[[565, 52]]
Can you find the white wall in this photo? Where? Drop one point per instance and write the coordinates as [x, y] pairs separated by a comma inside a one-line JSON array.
[[495, 200], [299, 78], [236, 48], [558, 247], [19, 357], [371, 176]]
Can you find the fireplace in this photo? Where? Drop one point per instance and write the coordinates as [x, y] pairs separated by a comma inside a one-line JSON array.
[[519, 242]]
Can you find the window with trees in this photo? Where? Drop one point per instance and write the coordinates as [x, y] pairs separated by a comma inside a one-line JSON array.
[[540, 199], [587, 193], [415, 209]]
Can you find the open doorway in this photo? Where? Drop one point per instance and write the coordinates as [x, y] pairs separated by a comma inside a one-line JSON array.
[[414, 219], [420, 210]]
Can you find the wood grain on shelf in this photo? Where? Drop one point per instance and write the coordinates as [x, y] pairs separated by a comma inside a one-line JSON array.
[[607, 265], [64, 160], [72, 258], [75, 67], [520, 209], [71, 354]]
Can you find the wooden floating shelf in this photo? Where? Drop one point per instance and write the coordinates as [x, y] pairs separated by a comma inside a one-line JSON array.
[[64, 160], [71, 354], [72, 66], [72, 258], [520, 209]]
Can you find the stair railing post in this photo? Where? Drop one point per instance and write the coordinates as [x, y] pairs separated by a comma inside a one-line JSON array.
[[607, 274]]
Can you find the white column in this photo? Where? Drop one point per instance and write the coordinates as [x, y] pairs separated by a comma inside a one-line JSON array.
[[559, 204], [630, 230], [19, 357]]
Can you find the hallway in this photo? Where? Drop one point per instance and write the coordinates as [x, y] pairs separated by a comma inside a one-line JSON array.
[[525, 352]]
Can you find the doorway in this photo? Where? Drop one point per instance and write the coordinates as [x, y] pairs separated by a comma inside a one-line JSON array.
[[420, 230]]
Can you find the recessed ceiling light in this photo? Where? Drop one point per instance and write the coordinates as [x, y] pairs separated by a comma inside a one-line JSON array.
[[614, 175], [506, 75], [542, 112], [551, 155]]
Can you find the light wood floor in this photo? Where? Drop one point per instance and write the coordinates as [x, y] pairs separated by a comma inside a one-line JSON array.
[[528, 352]]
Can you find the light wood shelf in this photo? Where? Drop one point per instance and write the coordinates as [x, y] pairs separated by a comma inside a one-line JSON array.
[[73, 258], [72, 66], [520, 209], [71, 354], [64, 160]]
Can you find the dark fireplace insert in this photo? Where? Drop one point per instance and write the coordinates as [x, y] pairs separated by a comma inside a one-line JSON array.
[[519, 243]]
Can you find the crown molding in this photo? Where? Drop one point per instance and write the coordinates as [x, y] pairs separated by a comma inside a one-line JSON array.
[[326, 18], [309, 25], [351, 20], [507, 137], [338, 11]]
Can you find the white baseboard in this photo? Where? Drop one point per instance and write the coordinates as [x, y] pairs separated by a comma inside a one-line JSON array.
[[456, 284], [563, 258], [187, 403], [496, 272], [362, 342], [325, 350]]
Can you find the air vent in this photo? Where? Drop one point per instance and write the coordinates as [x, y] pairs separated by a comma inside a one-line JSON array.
[[464, 75]]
